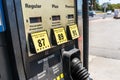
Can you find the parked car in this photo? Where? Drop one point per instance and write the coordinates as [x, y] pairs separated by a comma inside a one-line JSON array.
[[109, 12], [92, 13], [117, 13]]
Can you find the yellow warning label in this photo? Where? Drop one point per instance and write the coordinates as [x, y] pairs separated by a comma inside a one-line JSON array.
[[74, 31], [60, 35], [41, 41]]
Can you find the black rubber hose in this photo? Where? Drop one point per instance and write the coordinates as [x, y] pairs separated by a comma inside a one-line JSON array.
[[78, 72]]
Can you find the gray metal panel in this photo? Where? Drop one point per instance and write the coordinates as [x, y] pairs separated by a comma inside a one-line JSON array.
[[4, 66], [5, 73], [13, 40], [22, 35]]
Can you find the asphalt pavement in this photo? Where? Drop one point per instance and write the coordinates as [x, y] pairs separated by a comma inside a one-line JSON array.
[[104, 49], [105, 38]]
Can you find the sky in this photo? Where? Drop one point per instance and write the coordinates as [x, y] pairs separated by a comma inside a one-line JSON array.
[[111, 1]]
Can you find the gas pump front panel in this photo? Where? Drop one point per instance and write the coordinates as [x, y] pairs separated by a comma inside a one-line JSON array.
[[44, 19], [46, 15]]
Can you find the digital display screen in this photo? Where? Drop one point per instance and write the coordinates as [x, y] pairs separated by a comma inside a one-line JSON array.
[[55, 18], [54, 59], [70, 16], [35, 19], [36, 67]]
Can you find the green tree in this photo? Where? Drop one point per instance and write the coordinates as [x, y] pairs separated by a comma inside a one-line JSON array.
[[94, 4], [114, 6], [110, 7], [98, 7]]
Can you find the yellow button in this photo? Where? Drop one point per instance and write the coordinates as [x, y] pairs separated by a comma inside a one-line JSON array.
[[58, 78], [62, 75]]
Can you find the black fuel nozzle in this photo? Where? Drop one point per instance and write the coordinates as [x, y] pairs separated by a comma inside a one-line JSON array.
[[72, 66], [78, 72]]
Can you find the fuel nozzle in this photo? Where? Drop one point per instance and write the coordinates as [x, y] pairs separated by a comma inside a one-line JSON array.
[[72, 65], [78, 72]]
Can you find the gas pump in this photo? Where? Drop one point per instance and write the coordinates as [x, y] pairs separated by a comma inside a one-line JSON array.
[[42, 39]]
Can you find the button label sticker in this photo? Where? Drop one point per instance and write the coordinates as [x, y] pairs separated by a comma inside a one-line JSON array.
[[60, 35], [41, 41], [74, 31]]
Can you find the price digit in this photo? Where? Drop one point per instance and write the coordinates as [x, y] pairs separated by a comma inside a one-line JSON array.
[[74, 32], [60, 36], [41, 42]]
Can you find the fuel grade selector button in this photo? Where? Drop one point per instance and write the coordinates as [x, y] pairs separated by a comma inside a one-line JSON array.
[[59, 36], [40, 41], [73, 32]]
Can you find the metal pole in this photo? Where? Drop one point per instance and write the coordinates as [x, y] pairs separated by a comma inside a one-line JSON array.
[[104, 13], [85, 34]]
